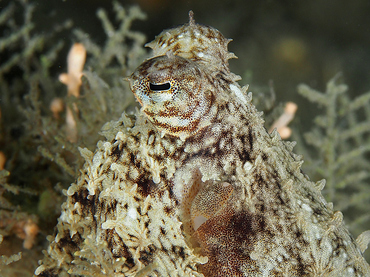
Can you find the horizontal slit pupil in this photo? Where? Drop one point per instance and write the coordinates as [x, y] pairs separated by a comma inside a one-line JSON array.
[[155, 87]]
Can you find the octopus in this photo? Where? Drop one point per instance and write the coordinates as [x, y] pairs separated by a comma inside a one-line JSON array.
[[194, 185]]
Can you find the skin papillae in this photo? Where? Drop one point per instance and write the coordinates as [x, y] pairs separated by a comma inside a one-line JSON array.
[[194, 185]]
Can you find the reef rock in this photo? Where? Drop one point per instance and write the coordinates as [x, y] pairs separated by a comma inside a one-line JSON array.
[[194, 185]]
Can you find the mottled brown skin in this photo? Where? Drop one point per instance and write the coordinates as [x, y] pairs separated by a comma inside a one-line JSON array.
[[264, 209], [182, 109], [193, 185]]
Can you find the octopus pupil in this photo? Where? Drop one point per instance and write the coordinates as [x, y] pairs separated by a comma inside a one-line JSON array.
[[157, 87]]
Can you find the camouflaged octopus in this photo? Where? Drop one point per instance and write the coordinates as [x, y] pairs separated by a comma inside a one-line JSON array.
[[194, 185]]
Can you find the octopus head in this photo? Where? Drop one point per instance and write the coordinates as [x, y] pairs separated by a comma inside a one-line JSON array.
[[174, 94]]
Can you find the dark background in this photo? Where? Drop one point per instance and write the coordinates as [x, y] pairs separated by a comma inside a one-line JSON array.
[[288, 42]]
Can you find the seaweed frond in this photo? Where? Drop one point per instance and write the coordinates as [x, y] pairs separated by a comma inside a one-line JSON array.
[[105, 93], [40, 161], [340, 150], [123, 47], [6, 260]]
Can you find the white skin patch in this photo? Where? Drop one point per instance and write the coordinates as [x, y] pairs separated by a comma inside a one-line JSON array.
[[132, 213], [247, 166], [238, 93], [307, 208]]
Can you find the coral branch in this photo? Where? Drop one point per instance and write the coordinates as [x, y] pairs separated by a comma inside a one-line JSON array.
[[24, 226], [75, 61], [281, 124], [56, 106]]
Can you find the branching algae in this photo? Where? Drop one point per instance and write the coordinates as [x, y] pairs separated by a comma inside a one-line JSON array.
[[40, 161], [194, 185]]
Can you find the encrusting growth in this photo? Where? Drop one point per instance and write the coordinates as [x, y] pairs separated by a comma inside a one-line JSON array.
[[194, 185]]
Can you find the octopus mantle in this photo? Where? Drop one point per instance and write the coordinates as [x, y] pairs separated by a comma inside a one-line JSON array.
[[193, 185]]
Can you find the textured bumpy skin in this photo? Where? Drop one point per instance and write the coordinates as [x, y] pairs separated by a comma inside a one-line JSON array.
[[193, 185]]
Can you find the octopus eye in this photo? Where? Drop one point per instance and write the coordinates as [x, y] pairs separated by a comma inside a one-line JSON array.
[[159, 87]]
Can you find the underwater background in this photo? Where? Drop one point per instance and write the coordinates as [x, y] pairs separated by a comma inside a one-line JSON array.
[[314, 53]]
